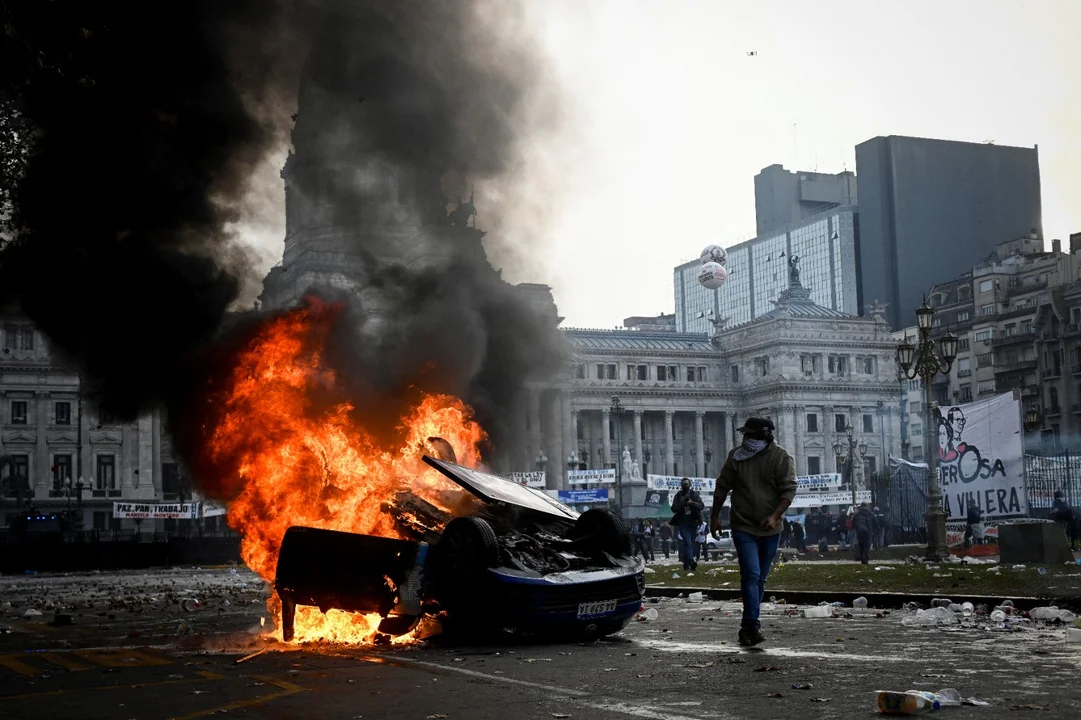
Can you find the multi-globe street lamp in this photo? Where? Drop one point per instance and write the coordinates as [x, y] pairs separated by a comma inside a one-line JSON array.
[[922, 361]]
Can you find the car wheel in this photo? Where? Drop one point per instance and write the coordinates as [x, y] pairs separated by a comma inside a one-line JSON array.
[[467, 547], [604, 531]]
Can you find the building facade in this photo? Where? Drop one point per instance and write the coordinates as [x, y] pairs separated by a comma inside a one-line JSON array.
[[783, 198], [928, 207], [813, 370], [826, 246], [1014, 315], [53, 436]]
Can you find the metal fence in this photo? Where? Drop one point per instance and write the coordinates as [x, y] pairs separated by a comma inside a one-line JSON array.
[[1047, 474]]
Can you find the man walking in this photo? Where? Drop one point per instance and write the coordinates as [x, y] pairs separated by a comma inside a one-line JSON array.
[[880, 529], [666, 537], [638, 536], [687, 508], [761, 476], [863, 525], [649, 540]]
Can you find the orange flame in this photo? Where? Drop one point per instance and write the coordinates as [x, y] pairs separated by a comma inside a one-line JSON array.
[[302, 461]]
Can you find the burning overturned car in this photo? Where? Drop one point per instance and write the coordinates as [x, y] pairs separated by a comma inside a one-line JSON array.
[[517, 561]]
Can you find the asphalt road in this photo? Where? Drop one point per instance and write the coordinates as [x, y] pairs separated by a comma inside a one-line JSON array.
[[152, 660]]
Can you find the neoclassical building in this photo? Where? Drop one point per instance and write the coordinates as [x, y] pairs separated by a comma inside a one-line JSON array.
[[681, 396]]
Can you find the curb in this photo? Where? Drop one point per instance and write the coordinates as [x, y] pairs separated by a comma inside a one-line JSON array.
[[883, 601]]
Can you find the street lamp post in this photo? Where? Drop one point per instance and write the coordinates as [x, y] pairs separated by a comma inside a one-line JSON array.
[[848, 448], [1032, 425], [572, 461], [617, 410], [923, 362], [542, 461]]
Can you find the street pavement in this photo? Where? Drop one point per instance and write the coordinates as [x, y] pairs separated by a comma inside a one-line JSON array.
[[134, 653]]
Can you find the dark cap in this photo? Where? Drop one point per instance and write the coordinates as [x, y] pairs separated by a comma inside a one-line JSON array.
[[755, 424]]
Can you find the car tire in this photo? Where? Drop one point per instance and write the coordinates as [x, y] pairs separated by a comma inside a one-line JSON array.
[[466, 549], [467, 546], [604, 531]]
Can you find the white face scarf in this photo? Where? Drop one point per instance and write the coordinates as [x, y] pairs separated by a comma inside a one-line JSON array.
[[749, 448]]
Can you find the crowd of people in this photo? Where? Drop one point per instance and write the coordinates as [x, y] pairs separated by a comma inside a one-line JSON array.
[[822, 531]]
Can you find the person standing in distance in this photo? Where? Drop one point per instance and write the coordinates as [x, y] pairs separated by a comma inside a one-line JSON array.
[[687, 509], [761, 476]]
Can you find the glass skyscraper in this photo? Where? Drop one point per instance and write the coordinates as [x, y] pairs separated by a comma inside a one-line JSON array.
[[758, 273]]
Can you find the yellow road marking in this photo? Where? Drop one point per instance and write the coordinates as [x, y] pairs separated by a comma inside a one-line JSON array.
[[123, 658], [287, 688], [62, 660], [13, 662]]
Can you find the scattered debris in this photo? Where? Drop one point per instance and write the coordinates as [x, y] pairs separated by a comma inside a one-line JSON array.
[[767, 668], [32, 613], [820, 700], [774, 695], [802, 686]]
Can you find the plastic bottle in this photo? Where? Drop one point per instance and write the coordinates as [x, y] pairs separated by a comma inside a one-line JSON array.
[[891, 702], [998, 616], [948, 697], [816, 612], [967, 609], [860, 602]]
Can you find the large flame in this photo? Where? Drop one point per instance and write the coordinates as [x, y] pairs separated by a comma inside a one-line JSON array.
[[301, 460]]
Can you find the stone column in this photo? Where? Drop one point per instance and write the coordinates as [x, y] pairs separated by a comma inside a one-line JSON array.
[[147, 471], [553, 442], [778, 423], [728, 431], [797, 441], [587, 439], [830, 466], [569, 441], [670, 448], [127, 460], [638, 437], [155, 452], [42, 476], [606, 439], [574, 435], [534, 425], [700, 444], [86, 456]]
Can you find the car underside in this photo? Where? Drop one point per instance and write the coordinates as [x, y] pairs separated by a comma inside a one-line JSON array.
[[514, 560]]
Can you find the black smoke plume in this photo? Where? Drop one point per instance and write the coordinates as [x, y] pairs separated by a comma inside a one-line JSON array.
[[148, 118]]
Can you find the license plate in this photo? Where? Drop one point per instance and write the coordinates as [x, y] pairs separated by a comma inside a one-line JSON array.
[[596, 608]]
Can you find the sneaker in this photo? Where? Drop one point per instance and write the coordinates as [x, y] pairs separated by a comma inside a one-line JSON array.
[[755, 636], [694, 566], [744, 639]]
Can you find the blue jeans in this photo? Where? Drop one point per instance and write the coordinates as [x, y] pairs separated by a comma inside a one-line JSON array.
[[755, 559], [686, 544]]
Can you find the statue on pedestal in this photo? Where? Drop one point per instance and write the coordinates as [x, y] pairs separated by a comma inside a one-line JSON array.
[[626, 462], [636, 472]]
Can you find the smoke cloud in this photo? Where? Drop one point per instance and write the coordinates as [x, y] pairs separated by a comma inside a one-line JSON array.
[[149, 120]]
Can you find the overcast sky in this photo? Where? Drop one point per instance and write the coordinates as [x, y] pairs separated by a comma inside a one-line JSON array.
[[672, 119]]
